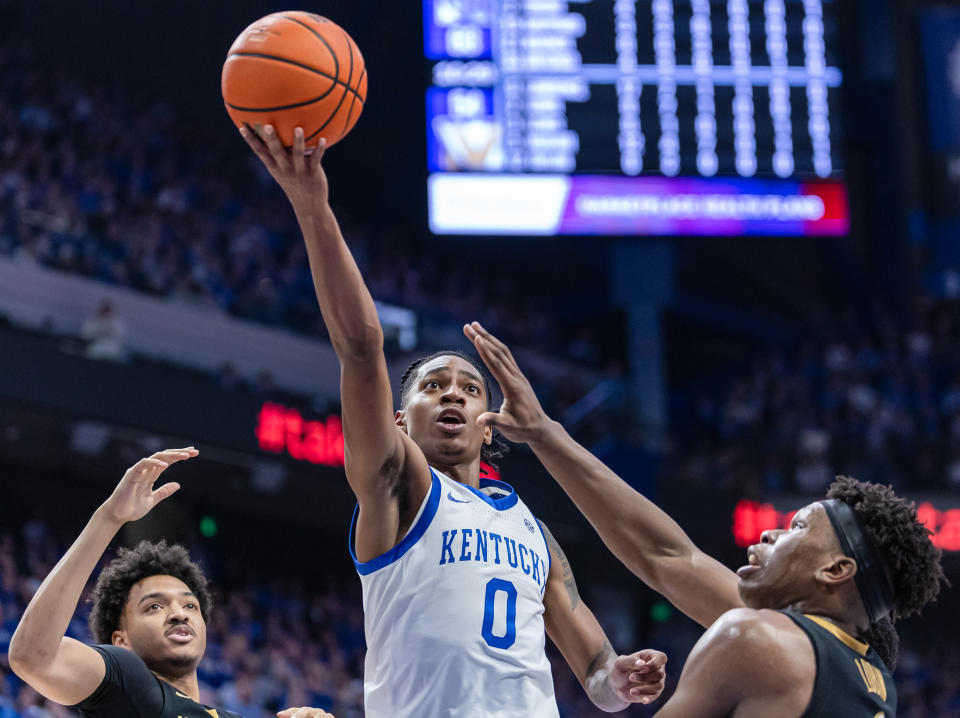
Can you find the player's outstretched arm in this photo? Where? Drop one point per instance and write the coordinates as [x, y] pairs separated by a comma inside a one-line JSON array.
[[645, 539], [749, 663], [304, 713], [60, 668], [612, 682], [376, 451]]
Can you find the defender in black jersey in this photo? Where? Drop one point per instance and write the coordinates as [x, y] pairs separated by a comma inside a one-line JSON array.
[[130, 690], [804, 630], [150, 609], [852, 679]]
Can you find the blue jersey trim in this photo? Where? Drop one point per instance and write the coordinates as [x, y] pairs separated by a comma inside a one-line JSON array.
[[396, 553], [501, 504], [549, 557]]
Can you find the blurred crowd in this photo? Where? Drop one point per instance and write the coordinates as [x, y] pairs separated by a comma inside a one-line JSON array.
[[274, 644], [877, 397], [100, 180]]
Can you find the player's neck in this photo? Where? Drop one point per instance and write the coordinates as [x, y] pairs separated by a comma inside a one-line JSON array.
[[468, 474], [186, 684], [849, 620], [849, 628]]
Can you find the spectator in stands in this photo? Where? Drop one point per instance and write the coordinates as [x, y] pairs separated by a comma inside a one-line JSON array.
[[104, 334]]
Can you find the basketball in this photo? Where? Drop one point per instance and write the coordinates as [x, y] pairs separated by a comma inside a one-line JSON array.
[[295, 69]]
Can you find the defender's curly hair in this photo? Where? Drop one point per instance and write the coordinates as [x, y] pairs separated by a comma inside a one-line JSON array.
[[912, 561], [132, 565], [489, 453]]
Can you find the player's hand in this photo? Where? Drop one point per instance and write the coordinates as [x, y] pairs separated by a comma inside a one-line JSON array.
[[639, 677], [298, 171], [304, 713], [521, 418], [135, 496]]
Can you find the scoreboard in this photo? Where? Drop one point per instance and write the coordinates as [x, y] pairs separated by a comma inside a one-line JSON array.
[[716, 117]]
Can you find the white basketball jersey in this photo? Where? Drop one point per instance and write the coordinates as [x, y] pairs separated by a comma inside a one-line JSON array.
[[454, 612]]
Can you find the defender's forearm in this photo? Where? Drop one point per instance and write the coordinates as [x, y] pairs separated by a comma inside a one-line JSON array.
[[633, 528], [48, 615], [645, 539]]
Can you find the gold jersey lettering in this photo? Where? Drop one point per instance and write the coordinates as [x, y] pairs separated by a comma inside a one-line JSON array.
[[872, 678]]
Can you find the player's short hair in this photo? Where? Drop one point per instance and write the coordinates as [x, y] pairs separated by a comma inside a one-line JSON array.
[[488, 453], [911, 560], [147, 559]]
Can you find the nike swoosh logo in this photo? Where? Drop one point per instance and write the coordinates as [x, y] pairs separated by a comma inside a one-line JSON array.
[[459, 501]]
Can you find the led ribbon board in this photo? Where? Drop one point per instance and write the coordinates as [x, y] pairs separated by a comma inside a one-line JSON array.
[[633, 117]]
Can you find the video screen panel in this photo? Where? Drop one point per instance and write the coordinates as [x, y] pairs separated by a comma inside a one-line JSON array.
[[634, 117]]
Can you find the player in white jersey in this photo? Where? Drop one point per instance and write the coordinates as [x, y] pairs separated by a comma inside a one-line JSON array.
[[460, 586]]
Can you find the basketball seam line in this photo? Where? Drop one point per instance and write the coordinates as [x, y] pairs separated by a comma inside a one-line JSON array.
[[346, 122], [321, 38], [352, 103], [298, 64], [336, 109]]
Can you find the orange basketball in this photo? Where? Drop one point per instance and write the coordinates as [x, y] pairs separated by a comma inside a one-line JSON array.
[[295, 69]]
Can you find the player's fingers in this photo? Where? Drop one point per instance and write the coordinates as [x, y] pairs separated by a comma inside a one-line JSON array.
[[650, 678], [498, 345], [492, 358], [165, 491], [498, 349], [646, 694], [255, 142], [280, 155], [647, 679], [171, 456], [489, 351], [316, 156], [182, 450], [147, 468], [488, 354], [299, 157], [490, 418], [650, 660]]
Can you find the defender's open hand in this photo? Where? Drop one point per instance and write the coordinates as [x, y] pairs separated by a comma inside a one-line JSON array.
[[639, 677], [299, 172], [521, 418], [304, 713], [135, 496]]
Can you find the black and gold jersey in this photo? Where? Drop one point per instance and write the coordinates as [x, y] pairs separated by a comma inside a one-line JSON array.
[[130, 690], [852, 681]]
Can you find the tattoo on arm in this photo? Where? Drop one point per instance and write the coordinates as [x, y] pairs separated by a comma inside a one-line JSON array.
[[600, 660], [597, 681], [568, 580]]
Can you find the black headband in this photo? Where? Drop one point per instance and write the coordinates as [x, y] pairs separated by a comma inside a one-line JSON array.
[[871, 578]]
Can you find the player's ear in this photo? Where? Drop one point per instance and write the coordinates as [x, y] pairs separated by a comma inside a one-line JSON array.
[[488, 434], [836, 570], [400, 419], [119, 638]]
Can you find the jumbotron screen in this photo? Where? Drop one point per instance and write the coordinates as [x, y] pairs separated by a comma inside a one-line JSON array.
[[634, 117]]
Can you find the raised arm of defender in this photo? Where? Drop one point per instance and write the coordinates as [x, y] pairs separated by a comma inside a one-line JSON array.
[[378, 456], [643, 537], [60, 668]]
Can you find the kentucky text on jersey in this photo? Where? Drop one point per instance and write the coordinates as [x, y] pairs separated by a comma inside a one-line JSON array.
[[488, 547]]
